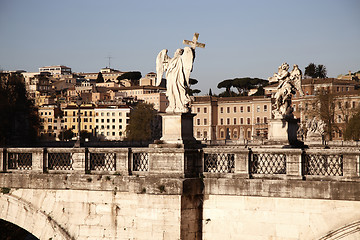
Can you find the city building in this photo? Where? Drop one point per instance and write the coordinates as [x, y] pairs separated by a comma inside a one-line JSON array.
[[51, 121], [111, 122], [71, 117], [57, 69]]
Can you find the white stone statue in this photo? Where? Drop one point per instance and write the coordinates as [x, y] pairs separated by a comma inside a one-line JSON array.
[[288, 84], [177, 71], [315, 128]]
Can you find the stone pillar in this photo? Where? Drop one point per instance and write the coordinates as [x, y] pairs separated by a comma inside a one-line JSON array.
[[351, 163], [242, 162], [122, 161], [177, 128], [293, 163], [37, 159], [284, 131], [78, 157]]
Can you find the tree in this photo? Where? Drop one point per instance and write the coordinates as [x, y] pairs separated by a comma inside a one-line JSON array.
[[227, 84], [66, 135], [144, 123], [85, 134], [310, 70], [134, 77], [352, 131], [19, 120], [210, 92], [315, 71], [320, 71], [323, 106], [100, 78], [243, 85], [190, 91]]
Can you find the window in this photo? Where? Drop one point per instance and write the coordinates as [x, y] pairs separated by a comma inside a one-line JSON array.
[[108, 114], [113, 120], [205, 134], [265, 119], [257, 120], [258, 109], [107, 120], [228, 121], [102, 120], [241, 120], [248, 108], [221, 110], [222, 134], [234, 121], [248, 120], [198, 121], [353, 104], [235, 133], [205, 121], [221, 121], [234, 109], [228, 109], [198, 134], [241, 109], [113, 114], [205, 110], [198, 110]]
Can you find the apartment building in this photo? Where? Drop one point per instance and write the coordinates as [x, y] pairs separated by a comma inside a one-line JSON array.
[[111, 121], [71, 118], [231, 118], [51, 121], [55, 70], [149, 94]]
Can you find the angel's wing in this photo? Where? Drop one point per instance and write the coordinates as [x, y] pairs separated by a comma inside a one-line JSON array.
[[296, 76], [161, 65], [187, 59]]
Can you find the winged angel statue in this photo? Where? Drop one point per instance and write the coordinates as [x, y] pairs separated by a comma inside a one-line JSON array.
[[288, 84], [177, 71]]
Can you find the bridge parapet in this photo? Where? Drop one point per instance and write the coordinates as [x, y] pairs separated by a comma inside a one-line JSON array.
[[226, 162]]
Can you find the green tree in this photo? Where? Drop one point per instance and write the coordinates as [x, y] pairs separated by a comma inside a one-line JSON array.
[[227, 84], [210, 92], [143, 123], [243, 85], [100, 78], [352, 131], [134, 77], [315, 71], [85, 134], [190, 91], [320, 71], [66, 135], [310, 70], [19, 120]]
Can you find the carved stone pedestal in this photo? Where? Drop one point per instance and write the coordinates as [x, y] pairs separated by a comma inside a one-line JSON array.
[[177, 128], [284, 131]]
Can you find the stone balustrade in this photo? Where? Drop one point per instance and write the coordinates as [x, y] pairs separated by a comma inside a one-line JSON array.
[[217, 162]]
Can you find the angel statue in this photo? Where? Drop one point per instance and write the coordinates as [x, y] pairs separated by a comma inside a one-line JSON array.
[[177, 71], [288, 84]]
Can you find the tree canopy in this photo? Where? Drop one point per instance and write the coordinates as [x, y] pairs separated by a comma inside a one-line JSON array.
[[352, 131], [191, 91], [143, 123], [132, 76], [19, 121], [100, 78], [243, 85], [315, 71]]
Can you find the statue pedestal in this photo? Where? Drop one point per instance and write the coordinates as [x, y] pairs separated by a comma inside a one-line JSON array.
[[284, 131], [177, 128]]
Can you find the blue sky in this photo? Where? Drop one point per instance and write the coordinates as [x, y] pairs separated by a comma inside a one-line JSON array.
[[243, 38]]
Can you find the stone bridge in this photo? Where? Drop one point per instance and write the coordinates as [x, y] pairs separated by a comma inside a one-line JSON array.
[[175, 193]]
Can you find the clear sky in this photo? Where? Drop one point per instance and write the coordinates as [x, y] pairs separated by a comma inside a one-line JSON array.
[[243, 38]]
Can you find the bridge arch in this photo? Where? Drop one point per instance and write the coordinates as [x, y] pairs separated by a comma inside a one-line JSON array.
[[26, 216], [349, 231]]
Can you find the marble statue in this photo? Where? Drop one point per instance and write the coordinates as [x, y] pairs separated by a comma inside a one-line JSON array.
[[177, 71], [177, 74], [315, 128], [289, 82]]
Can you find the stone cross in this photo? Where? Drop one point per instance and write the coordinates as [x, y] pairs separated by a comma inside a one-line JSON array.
[[193, 44]]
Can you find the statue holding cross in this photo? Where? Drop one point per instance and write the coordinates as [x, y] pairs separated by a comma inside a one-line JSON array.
[[177, 71]]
